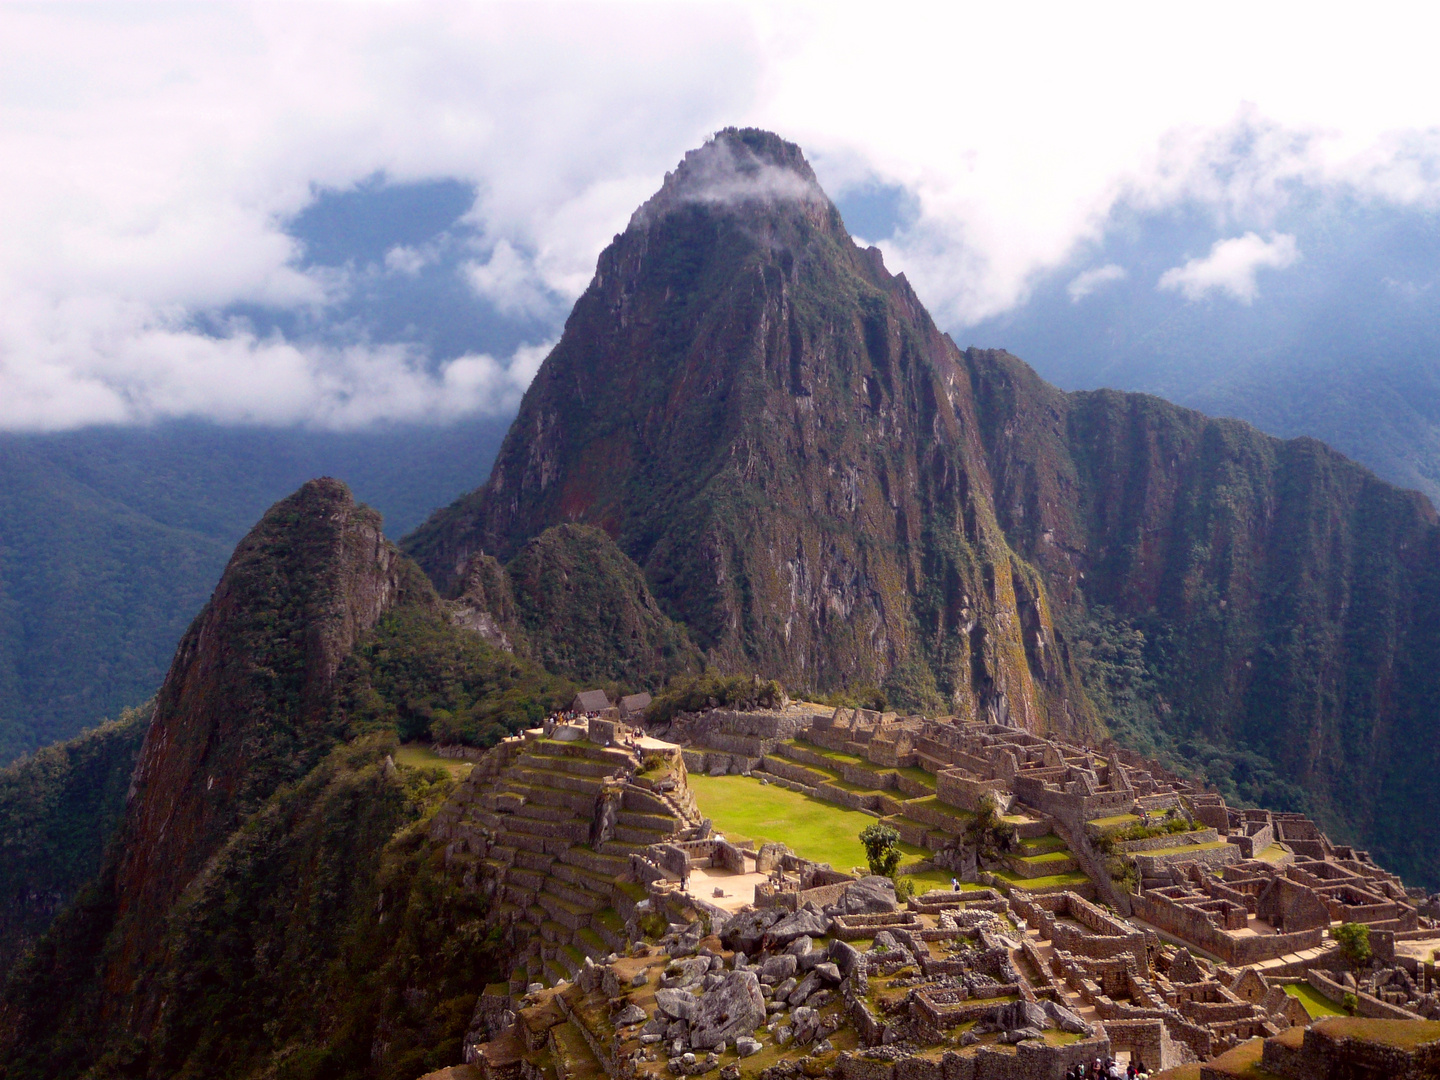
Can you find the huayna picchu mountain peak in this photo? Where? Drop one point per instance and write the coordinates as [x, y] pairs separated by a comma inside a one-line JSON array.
[[769, 423], [822, 487]]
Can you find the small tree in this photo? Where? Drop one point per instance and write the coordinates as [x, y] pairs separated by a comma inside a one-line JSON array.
[[1354, 942], [882, 849], [989, 833]]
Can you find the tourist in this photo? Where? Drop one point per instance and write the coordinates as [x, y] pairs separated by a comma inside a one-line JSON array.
[[955, 884]]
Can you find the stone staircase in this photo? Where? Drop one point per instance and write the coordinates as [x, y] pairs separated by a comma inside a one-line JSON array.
[[523, 826]]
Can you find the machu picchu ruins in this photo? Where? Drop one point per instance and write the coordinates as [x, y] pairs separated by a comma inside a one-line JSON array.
[[1062, 905]]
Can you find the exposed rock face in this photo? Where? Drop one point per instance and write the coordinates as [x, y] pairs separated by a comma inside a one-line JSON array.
[[735, 1007], [250, 681], [771, 426], [868, 896], [486, 605]]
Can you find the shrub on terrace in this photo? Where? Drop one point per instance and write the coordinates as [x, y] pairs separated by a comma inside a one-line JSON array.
[[882, 849], [1354, 942]]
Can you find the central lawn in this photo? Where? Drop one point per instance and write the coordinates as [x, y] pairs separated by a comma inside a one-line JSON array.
[[1316, 1003], [420, 756], [812, 828]]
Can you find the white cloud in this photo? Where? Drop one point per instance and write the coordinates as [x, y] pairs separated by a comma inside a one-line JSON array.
[[149, 154], [409, 261], [1097, 277], [511, 282], [1231, 267]]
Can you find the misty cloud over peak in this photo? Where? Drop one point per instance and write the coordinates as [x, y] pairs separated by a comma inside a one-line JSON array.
[[260, 213]]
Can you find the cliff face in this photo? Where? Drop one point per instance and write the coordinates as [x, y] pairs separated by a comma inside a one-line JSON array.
[[770, 425], [1299, 595], [249, 683]]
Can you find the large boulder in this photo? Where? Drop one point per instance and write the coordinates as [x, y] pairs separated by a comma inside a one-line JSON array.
[[680, 1004], [868, 896], [630, 1014], [745, 932], [809, 920], [732, 1009], [807, 986], [778, 968], [1066, 1020], [1016, 1016]]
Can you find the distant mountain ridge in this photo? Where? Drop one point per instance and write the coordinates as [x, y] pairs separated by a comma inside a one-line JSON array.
[[111, 539], [824, 488]]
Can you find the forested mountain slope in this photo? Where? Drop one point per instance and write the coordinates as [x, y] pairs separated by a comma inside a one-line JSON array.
[[270, 892], [111, 539]]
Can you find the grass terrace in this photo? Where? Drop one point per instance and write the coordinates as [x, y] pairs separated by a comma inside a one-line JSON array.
[[1181, 849], [1063, 881], [932, 802], [812, 828], [927, 880], [1242, 1062], [420, 756], [1400, 1034], [1316, 1003], [1118, 821]]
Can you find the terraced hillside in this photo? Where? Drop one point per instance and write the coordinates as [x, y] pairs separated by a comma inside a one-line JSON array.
[[547, 828]]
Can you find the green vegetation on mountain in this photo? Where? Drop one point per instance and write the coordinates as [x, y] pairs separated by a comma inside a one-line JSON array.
[[422, 677], [587, 611], [111, 539], [272, 904], [57, 811]]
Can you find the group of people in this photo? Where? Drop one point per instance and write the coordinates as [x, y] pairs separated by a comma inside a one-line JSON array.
[[1106, 1070]]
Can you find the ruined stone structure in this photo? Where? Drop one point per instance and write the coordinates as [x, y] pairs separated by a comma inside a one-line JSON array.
[[1110, 908]]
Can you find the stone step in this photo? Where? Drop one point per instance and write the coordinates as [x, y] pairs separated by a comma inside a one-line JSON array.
[[591, 944], [576, 832], [532, 860], [621, 848], [644, 837], [611, 927], [575, 875], [571, 959], [575, 767], [554, 789], [485, 818], [533, 794], [655, 822], [590, 752], [534, 880], [585, 899], [554, 974], [571, 916], [1038, 866], [536, 915], [554, 933], [520, 896], [524, 841], [609, 866], [541, 812]]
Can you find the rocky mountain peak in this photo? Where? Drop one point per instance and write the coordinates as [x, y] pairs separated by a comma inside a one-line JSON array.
[[740, 170]]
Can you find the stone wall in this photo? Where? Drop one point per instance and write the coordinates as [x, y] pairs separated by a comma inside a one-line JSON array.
[[1191, 925], [956, 789]]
